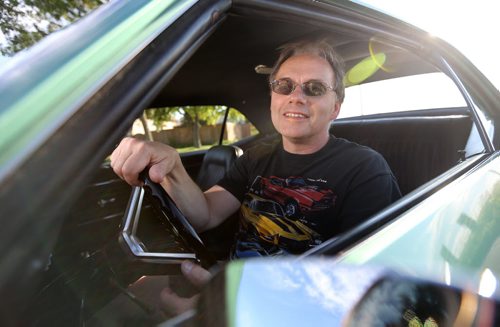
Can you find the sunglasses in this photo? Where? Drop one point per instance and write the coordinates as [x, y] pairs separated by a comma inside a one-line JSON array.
[[286, 86]]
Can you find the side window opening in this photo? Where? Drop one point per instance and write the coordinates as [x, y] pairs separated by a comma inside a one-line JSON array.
[[193, 128], [425, 91], [418, 146]]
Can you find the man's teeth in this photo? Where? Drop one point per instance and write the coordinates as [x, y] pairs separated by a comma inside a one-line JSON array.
[[294, 115]]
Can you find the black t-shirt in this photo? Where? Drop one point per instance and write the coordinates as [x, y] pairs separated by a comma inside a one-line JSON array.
[[292, 202]]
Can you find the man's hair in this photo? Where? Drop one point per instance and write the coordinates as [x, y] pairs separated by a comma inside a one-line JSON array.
[[319, 48]]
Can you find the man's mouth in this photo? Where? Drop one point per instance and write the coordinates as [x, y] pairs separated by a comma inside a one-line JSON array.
[[295, 115]]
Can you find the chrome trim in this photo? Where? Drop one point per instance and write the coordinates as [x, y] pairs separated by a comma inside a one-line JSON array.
[[133, 242], [476, 117]]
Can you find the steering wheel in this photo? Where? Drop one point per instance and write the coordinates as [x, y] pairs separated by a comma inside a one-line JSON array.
[[164, 203]]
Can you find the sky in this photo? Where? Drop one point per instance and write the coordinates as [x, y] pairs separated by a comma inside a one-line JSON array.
[[470, 26]]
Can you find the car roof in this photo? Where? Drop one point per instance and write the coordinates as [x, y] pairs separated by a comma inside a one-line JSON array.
[[216, 75]]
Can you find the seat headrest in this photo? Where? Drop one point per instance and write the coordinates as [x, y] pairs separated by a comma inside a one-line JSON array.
[[216, 162]]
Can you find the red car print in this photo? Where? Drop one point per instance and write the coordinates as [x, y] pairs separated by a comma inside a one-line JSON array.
[[295, 194]]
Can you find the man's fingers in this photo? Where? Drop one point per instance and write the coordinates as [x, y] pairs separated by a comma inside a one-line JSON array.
[[117, 160], [174, 304], [120, 156], [158, 171], [197, 275], [133, 166], [132, 156]]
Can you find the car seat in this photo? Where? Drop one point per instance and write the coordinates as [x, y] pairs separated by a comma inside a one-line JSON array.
[[216, 162]]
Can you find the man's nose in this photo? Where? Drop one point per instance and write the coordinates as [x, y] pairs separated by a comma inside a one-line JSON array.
[[297, 93]]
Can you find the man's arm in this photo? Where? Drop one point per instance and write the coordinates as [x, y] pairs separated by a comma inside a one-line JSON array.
[[204, 210]]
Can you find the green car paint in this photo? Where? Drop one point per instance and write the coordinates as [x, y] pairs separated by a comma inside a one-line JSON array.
[[234, 271]]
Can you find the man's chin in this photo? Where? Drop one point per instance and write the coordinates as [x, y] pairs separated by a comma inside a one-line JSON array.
[[295, 137]]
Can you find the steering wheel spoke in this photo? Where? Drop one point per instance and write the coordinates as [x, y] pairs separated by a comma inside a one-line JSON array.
[[170, 214]]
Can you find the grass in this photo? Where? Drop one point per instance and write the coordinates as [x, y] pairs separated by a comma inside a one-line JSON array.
[[203, 147]]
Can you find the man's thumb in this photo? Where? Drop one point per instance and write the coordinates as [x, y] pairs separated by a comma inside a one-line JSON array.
[[197, 275]]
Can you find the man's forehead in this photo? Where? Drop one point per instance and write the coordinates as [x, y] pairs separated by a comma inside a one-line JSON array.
[[306, 66]]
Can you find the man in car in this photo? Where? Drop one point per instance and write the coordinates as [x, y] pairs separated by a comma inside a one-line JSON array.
[[341, 183]]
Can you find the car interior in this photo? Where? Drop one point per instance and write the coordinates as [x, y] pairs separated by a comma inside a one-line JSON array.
[[231, 68]]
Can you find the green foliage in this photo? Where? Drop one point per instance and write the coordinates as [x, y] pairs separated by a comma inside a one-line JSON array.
[[204, 115], [194, 116], [235, 116], [189, 115], [161, 115], [24, 23]]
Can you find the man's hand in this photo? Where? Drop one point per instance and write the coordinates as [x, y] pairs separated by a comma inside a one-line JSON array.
[[174, 304], [132, 156]]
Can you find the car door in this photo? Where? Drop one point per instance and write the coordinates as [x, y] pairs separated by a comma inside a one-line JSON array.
[[81, 97]]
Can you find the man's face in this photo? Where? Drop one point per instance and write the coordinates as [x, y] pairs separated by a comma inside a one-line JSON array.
[[299, 118]]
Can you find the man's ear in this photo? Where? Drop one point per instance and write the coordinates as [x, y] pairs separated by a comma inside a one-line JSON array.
[[335, 111]]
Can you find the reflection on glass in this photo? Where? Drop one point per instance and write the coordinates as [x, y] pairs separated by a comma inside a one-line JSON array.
[[487, 284], [283, 294], [320, 292], [447, 273], [364, 69], [393, 301]]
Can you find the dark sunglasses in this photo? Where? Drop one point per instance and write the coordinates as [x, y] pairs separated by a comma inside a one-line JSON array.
[[286, 86]]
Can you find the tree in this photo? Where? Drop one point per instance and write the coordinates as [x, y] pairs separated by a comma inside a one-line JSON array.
[[194, 116], [236, 117], [161, 115], [198, 115], [25, 22]]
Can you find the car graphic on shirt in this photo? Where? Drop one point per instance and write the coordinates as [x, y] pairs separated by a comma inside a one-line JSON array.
[[272, 226], [295, 194]]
